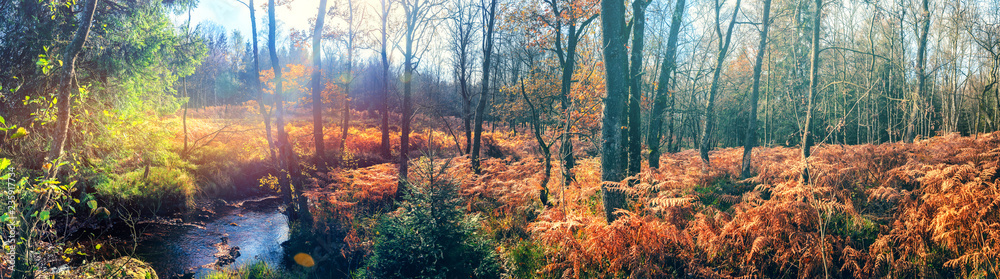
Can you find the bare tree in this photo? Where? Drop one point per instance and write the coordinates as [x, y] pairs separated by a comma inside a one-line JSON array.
[[419, 17], [614, 39], [813, 83], [724, 43], [751, 137], [915, 98], [632, 138], [351, 38], [663, 85], [256, 81], [489, 20], [574, 16], [462, 29], [317, 83], [384, 10], [353, 27], [284, 150]]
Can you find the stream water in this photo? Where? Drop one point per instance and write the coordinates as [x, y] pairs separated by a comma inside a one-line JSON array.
[[257, 227]]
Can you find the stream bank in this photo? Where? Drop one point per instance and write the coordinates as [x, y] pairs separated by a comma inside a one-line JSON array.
[[221, 235]]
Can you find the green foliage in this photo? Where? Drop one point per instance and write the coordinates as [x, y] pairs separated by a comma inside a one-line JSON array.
[[158, 190], [525, 259], [255, 270], [31, 207], [428, 237]]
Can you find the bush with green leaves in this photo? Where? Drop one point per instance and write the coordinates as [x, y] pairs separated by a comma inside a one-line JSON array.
[[428, 236]]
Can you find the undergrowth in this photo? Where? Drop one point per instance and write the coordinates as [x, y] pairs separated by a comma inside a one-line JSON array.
[[927, 209]]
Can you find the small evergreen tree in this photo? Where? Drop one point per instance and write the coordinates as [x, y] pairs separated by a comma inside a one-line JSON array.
[[428, 236]]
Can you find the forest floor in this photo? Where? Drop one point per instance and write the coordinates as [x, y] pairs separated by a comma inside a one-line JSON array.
[[927, 209]]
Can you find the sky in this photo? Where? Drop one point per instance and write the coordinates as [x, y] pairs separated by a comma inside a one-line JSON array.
[[234, 15], [231, 14]]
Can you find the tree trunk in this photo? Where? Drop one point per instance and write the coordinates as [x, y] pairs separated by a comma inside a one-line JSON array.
[[614, 38], [635, 87], [918, 94], [63, 96], [543, 194], [184, 114], [659, 102], [720, 59], [350, 79], [257, 86], [751, 137], [384, 102], [317, 81], [487, 52], [284, 152], [404, 134], [813, 83], [463, 26]]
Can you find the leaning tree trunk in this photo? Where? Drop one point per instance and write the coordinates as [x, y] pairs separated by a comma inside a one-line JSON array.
[[350, 79], [545, 148], [751, 137], [384, 102], [614, 38], [284, 152], [659, 102], [317, 90], [925, 24], [813, 83], [63, 96], [710, 108], [487, 52], [257, 86]]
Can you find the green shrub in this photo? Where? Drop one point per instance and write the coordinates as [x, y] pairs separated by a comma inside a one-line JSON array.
[[160, 190], [429, 237], [525, 259]]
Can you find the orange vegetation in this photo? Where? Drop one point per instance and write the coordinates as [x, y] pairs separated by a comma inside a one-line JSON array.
[[928, 209]]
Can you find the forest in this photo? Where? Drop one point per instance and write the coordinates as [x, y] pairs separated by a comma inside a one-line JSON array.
[[500, 138]]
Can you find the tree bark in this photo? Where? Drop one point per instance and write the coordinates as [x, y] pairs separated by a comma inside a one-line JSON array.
[[404, 134], [284, 151], [350, 78], [918, 94], [317, 81], [706, 131], [663, 83], [384, 102], [490, 21], [614, 38], [463, 33], [813, 83], [635, 87], [751, 137], [64, 99], [567, 61], [257, 86], [545, 148]]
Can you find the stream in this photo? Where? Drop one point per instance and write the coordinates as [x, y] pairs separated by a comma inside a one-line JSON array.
[[257, 227]]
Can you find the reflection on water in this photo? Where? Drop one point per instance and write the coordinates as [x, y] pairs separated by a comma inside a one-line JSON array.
[[258, 231]]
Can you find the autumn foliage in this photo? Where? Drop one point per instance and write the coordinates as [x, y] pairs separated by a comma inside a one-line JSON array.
[[928, 209]]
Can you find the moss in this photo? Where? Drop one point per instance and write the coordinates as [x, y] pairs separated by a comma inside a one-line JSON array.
[[124, 268]]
